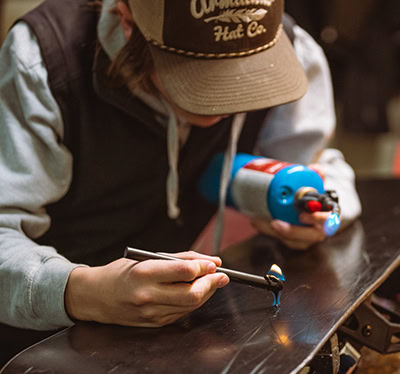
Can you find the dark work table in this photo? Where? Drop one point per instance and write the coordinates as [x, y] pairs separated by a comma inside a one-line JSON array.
[[237, 330]]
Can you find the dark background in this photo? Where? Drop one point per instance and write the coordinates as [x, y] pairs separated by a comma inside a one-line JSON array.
[[361, 39]]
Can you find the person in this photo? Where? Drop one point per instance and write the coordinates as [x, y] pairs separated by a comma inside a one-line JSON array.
[[107, 120]]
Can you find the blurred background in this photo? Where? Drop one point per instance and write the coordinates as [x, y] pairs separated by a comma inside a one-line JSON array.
[[361, 39]]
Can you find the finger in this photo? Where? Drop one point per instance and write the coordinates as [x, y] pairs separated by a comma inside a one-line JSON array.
[[296, 243], [316, 218], [263, 226], [192, 255], [192, 295], [302, 233], [161, 271], [203, 288]]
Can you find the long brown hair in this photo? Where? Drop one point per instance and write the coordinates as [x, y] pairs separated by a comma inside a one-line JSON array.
[[133, 65]]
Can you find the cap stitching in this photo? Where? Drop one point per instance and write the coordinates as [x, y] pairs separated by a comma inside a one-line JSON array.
[[220, 55], [222, 97]]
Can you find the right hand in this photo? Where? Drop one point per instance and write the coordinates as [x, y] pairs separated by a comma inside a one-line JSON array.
[[294, 236], [150, 293]]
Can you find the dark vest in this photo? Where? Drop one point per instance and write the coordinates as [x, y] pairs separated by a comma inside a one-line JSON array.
[[118, 191]]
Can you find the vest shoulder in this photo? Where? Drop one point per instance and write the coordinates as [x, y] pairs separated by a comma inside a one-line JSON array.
[[68, 26]]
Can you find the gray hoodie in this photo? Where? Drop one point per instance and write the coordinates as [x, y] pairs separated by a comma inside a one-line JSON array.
[[36, 169]]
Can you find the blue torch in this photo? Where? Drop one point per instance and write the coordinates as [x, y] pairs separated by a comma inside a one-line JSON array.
[[274, 189]]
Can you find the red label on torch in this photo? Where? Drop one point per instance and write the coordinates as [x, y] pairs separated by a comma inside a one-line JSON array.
[[266, 165]]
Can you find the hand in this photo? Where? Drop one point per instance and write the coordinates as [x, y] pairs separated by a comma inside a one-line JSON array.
[[295, 237], [150, 293]]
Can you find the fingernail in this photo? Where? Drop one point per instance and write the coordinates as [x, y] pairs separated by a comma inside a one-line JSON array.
[[218, 259], [211, 267], [223, 281], [280, 225]]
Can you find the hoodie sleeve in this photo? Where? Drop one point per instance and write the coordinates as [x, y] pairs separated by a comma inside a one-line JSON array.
[[300, 131], [35, 170]]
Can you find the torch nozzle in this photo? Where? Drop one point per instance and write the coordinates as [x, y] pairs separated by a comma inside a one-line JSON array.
[[309, 200]]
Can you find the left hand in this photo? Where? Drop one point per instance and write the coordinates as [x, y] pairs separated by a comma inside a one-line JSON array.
[[295, 237], [150, 293]]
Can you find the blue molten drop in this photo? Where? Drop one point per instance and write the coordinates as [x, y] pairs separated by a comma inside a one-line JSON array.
[[277, 299]]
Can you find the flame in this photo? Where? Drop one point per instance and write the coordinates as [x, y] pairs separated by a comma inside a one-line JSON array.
[[276, 269]]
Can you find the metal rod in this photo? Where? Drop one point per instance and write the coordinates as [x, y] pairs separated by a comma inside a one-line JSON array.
[[269, 282]]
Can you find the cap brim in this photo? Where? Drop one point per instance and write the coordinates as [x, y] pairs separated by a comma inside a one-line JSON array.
[[241, 84]]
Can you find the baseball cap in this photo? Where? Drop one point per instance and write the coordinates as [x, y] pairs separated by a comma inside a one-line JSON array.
[[218, 57]]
